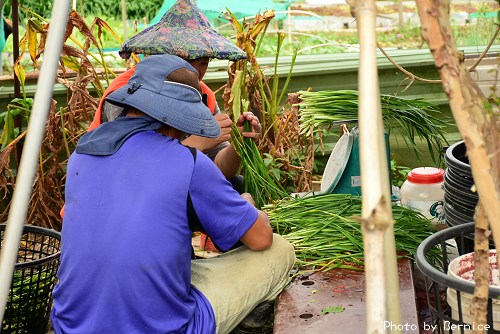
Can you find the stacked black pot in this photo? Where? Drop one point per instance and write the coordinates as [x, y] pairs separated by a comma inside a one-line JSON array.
[[460, 197]]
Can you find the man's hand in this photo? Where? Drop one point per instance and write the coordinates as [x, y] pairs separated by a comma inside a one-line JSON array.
[[225, 127], [203, 143], [254, 122], [248, 197]]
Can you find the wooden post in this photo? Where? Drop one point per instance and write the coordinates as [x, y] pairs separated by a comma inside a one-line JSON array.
[[382, 283]]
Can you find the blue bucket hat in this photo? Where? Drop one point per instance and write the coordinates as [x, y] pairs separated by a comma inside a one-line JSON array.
[[166, 88]]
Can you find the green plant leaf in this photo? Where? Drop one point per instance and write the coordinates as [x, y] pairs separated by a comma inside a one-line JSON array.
[[20, 73], [332, 309], [267, 158], [9, 132]]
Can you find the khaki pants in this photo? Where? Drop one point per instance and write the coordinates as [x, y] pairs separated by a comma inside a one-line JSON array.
[[237, 281]]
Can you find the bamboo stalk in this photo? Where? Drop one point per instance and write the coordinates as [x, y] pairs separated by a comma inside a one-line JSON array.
[[378, 235]]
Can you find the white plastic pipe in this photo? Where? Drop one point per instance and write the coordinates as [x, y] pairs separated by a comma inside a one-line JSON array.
[[34, 136]]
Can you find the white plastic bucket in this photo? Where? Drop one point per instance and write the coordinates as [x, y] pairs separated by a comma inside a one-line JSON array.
[[462, 268], [423, 191]]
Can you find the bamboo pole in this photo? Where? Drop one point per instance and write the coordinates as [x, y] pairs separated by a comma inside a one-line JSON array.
[[382, 286], [31, 148]]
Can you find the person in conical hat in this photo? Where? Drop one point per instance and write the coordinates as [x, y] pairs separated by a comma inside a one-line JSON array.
[[186, 32]]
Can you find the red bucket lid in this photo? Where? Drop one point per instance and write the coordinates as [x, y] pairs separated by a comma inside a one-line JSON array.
[[426, 175]]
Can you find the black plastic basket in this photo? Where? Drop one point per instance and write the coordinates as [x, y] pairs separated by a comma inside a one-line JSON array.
[[30, 296], [437, 282]]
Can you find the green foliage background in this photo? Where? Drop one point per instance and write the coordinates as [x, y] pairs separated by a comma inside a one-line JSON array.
[[102, 8]]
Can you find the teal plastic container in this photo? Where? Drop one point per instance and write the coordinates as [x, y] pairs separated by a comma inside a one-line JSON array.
[[342, 173]]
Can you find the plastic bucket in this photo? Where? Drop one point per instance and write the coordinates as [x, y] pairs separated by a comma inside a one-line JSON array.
[[423, 191], [462, 268], [460, 199], [456, 159], [463, 180], [452, 205], [454, 217], [439, 280], [463, 190]]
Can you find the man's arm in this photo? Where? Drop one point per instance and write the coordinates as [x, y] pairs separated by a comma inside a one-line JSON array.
[[228, 161], [260, 235]]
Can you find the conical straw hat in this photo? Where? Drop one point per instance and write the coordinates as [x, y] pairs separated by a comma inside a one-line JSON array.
[[183, 31]]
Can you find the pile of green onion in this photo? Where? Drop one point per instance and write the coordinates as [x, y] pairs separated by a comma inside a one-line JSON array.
[[326, 232], [412, 118]]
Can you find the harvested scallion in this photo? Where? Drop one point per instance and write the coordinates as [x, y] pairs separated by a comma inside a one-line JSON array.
[[261, 184], [412, 118], [326, 232]]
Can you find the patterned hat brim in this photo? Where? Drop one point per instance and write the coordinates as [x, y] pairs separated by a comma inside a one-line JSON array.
[[158, 40], [183, 31]]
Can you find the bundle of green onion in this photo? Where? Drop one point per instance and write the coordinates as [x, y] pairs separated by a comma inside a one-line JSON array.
[[326, 233], [411, 117], [263, 187]]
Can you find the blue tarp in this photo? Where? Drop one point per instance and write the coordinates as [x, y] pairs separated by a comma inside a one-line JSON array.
[[2, 33], [214, 9]]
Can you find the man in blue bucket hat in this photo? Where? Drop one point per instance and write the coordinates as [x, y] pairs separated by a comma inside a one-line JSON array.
[[185, 31], [126, 240]]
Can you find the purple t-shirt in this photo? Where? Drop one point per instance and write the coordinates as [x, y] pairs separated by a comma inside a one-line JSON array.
[[126, 243]]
